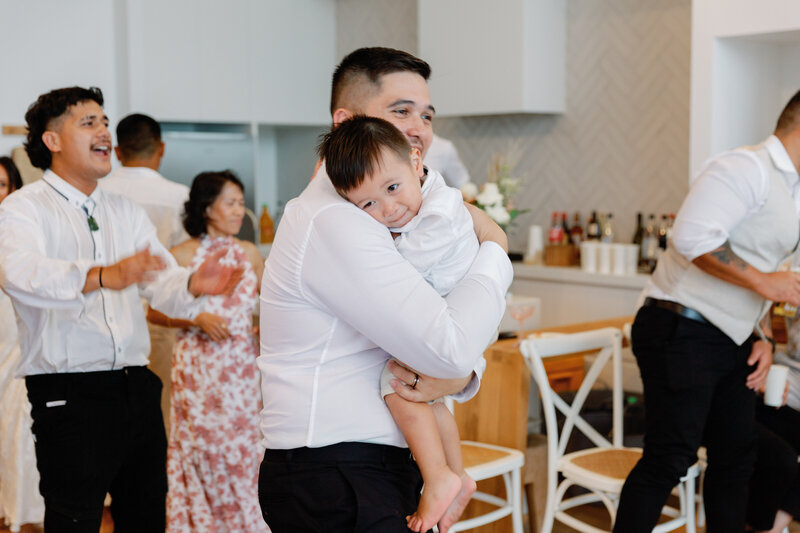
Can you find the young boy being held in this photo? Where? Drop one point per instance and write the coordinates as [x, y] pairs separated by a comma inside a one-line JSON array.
[[372, 165]]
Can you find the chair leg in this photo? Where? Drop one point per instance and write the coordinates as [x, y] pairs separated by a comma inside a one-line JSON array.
[[530, 496], [516, 500]]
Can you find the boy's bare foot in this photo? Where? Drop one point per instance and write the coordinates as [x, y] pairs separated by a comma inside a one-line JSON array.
[[437, 495], [453, 512]]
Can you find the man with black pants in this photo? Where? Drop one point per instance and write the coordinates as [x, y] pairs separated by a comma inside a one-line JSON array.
[[702, 339], [336, 299], [75, 260]]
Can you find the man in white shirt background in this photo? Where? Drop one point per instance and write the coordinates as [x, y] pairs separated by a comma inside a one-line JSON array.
[[702, 339], [140, 150], [75, 261], [443, 157], [336, 299]]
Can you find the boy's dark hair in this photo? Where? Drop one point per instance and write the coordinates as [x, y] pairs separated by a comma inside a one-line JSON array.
[[14, 178], [369, 64], [353, 150], [206, 186], [138, 136], [44, 110], [790, 116]]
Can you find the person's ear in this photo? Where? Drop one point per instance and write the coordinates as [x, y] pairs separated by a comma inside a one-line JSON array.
[[161, 149], [118, 153], [52, 140], [340, 115], [416, 162]]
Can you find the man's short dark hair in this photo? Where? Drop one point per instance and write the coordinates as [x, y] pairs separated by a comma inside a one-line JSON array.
[[353, 150], [138, 136], [47, 108], [369, 64], [790, 116]]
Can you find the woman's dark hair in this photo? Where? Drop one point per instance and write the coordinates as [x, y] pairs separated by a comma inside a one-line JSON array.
[[48, 107], [206, 186], [14, 179]]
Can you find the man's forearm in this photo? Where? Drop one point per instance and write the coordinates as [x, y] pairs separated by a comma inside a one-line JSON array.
[[724, 264]]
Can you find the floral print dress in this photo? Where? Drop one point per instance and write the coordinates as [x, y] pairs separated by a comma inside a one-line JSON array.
[[214, 446]]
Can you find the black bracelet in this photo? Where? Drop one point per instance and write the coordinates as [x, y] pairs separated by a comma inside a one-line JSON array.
[[772, 342], [100, 277]]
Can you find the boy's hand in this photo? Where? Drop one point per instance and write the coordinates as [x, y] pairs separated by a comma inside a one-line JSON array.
[[427, 388]]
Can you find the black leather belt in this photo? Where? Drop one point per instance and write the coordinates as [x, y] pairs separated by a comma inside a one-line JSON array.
[[675, 307]]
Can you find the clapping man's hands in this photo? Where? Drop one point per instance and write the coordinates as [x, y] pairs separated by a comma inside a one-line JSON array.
[[215, 278]]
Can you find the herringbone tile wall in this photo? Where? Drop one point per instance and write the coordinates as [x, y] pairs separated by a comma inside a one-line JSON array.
[[623, 144]]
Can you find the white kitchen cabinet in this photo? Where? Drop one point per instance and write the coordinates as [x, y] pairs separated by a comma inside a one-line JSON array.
[[292, 57], [504, 56], [263, 61]]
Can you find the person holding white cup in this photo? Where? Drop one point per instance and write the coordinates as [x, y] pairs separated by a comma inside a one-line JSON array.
[[699, 338]]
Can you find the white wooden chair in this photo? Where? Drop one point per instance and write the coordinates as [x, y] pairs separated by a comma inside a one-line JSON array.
[[485, 461], [601, 470]]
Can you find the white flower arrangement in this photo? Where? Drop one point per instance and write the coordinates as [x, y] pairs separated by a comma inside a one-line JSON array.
[[496, 195]]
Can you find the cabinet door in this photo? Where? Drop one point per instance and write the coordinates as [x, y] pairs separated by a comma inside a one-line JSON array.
[[504, 56], [292, 59], [188, 59]]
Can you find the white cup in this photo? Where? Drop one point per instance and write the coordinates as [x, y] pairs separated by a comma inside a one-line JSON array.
[[776, 385], [535, 246], [618, 259], [604, 258], [589, 256], [631, 258]]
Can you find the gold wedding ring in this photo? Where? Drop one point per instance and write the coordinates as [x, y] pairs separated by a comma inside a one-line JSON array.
[[416, 380]]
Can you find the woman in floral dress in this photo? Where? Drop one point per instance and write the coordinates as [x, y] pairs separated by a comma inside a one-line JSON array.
[[214, 446]]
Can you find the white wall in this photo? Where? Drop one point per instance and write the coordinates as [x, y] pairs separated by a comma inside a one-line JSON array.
[[745, 66], [48, 44]]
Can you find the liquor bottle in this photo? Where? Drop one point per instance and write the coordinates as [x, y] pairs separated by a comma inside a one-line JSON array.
[[662, 232], [647, 257], [266, 227], [556, 232], [608, 228], [565, 234], [593, 228], [639, 231], [576, 231]]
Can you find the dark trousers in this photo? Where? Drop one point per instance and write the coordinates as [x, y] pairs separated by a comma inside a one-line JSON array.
[[776, 477], [348, 487], [99, 432], [694, 388]]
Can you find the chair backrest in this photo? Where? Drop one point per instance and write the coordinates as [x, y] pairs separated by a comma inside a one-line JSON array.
[[609, 342], [249, 230]]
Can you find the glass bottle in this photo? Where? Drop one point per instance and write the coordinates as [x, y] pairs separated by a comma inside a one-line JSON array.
[[608, 228], [565, 233], [593, 228], [555, 234], [647, 257], [266, 227], [576, 231], [639, 231]]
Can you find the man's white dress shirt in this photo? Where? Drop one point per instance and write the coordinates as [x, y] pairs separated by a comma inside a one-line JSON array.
[[440, 241], [337, 298], [443, 157], [161, 199], [46, 250], [731, 187]]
